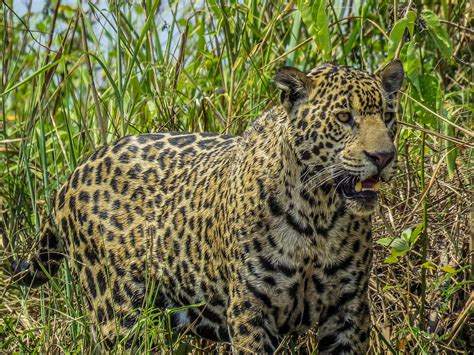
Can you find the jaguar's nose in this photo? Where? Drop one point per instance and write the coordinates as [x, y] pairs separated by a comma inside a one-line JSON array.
[[380, 159]]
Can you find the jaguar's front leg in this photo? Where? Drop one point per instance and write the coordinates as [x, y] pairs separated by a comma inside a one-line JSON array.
[[249, 329], [344, 326]]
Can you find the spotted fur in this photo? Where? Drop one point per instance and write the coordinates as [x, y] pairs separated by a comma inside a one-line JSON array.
[[255, 229]]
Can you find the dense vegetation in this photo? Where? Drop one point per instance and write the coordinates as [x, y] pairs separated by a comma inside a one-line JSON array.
[[74, 77]]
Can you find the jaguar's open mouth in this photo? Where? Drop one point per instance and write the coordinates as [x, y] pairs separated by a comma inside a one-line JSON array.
[[351, 187]]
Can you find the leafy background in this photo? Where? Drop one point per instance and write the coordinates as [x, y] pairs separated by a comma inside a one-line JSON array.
[[76, 75]]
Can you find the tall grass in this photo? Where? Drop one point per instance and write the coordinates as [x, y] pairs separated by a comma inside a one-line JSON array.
[[79, 75]]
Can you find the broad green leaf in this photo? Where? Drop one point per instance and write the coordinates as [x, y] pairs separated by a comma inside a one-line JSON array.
[[429, 95], [400, 246], [315, 18], [385, 241], [449, 269], [429, 265], [406, 234], [416, 232], [413, 64], [452, 150], [396, 36], [411, 17], [437, 32], [392, 259]]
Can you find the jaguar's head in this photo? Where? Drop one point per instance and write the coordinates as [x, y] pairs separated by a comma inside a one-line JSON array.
[[342, 125]]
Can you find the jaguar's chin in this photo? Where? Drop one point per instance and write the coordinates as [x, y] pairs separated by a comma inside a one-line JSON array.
[[361, 196]]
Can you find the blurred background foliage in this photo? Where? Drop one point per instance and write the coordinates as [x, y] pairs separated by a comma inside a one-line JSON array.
[[78, 74]]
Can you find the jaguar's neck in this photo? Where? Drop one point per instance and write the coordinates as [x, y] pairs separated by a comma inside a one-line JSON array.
[[306, 193], [298, 207]]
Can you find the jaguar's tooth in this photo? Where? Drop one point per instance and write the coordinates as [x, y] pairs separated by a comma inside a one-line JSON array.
[[377, 186], [358, 186]]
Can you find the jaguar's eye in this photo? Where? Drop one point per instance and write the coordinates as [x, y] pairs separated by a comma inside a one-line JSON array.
[[345, 117]]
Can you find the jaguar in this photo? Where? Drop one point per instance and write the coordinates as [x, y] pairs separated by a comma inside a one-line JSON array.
[[267, 234]]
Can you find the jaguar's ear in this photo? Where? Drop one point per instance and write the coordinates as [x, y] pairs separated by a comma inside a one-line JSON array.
[[392, 76], [293, 84]]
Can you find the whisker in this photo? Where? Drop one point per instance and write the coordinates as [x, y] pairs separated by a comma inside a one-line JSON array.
[[320, 182], [323, 175], [344, 180]]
